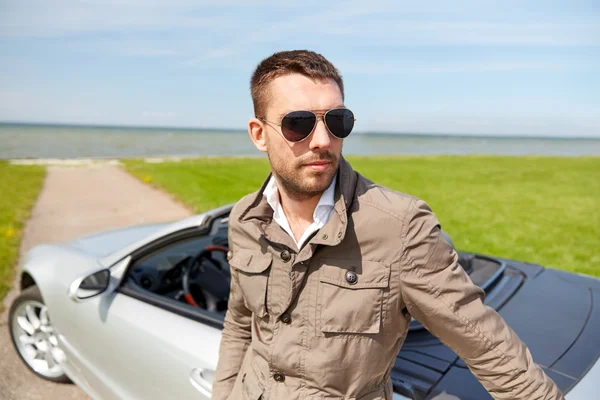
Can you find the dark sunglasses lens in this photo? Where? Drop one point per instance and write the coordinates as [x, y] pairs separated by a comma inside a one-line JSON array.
[[340, 122], [297, 125]]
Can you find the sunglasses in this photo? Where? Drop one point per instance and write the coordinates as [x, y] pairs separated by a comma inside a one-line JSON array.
[[298, 125]]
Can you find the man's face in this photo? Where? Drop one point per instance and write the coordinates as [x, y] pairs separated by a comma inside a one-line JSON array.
[[304, 169]]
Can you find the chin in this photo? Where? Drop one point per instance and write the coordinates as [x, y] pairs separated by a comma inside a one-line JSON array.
[[320, 181]]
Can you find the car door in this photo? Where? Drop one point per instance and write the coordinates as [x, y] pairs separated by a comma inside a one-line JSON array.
[[151, 353], [141, 344]]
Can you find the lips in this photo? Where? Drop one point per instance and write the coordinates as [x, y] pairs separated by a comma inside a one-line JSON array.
[[318, 166]]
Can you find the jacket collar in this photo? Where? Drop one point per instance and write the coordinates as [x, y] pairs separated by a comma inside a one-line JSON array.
[[261, 213]]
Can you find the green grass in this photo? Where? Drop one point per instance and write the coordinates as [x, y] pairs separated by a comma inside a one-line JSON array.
[[543, 210], [19, 188], [204, 183]]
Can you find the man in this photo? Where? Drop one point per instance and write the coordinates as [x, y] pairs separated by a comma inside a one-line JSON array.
[[327, 268]]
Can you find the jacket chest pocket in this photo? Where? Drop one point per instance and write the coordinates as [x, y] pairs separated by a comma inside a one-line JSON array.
[[351, 295], [253, 275]]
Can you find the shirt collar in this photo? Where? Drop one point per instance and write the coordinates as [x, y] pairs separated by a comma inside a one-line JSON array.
[[271, 194], [260, 212]]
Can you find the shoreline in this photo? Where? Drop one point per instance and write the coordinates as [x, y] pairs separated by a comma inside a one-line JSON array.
[[85, 161], [90, 161]]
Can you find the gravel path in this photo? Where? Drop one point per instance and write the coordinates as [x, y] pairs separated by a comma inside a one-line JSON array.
[[76, 201]]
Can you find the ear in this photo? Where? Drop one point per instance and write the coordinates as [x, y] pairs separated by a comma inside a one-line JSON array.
[[257, 133]]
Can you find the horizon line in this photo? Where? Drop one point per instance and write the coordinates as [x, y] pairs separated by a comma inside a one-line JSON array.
[[365, 133]]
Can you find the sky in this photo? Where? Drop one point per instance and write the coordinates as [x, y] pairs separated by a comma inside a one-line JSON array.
[[511, 67]]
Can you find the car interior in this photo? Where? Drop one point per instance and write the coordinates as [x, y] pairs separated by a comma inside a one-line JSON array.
[[192, 270]]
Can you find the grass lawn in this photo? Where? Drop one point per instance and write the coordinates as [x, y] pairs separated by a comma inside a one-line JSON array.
[[543, 210], [19, 188]]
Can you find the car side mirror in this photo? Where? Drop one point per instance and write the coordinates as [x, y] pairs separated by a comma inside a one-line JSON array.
[[90, 285]]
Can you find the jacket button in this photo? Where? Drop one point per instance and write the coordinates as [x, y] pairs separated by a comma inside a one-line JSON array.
[[279, 377], [351, 277], [286, 318], [285, 255]]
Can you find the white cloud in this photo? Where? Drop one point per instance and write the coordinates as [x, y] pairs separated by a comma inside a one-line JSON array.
[[428, 32], [51, 18], [59, 18], [371, 25], [400, 22], [226, 31]]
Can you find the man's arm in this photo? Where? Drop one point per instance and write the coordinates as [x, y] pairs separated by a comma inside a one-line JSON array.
[[440, 294], [235, 340]]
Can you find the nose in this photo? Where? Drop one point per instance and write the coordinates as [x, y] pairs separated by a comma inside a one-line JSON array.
[[320, 138]]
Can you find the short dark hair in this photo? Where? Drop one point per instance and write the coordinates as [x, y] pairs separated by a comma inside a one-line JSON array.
[[305, 62]]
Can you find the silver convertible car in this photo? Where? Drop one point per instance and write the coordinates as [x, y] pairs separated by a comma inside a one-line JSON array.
[[137, 313]]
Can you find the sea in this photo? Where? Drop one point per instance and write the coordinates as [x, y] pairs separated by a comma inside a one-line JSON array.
[[25, 141]]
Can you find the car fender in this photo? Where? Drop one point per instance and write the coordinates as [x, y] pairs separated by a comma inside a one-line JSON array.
[[53, 268]]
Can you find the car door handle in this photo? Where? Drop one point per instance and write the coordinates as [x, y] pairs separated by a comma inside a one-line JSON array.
[[202, 380]]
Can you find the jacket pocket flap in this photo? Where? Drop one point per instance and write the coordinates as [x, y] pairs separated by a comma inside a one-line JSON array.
[[250, 262], [369, 274]]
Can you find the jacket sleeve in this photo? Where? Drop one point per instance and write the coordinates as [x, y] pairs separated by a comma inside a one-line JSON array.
[[235, 340], [440, 295]]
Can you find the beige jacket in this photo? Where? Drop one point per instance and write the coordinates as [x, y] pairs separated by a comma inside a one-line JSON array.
[[327, 321]]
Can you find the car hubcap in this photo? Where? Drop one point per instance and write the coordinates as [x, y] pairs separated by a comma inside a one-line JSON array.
[[36, 340]]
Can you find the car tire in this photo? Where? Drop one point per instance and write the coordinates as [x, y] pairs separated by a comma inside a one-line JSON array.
[[27, 306]]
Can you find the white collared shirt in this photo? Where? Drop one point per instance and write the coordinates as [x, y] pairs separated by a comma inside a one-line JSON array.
[[321, 214]]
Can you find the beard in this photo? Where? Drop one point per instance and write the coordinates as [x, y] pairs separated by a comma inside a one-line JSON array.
[[297, 180]]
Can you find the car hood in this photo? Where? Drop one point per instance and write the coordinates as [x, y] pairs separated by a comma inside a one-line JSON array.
[[556, 313], [102, 244], [550, 313]]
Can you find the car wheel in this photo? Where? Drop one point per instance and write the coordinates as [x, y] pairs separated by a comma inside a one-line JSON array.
[[33, 336]]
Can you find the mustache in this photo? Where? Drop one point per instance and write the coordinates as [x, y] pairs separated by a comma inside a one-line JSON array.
[[325, 156]]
